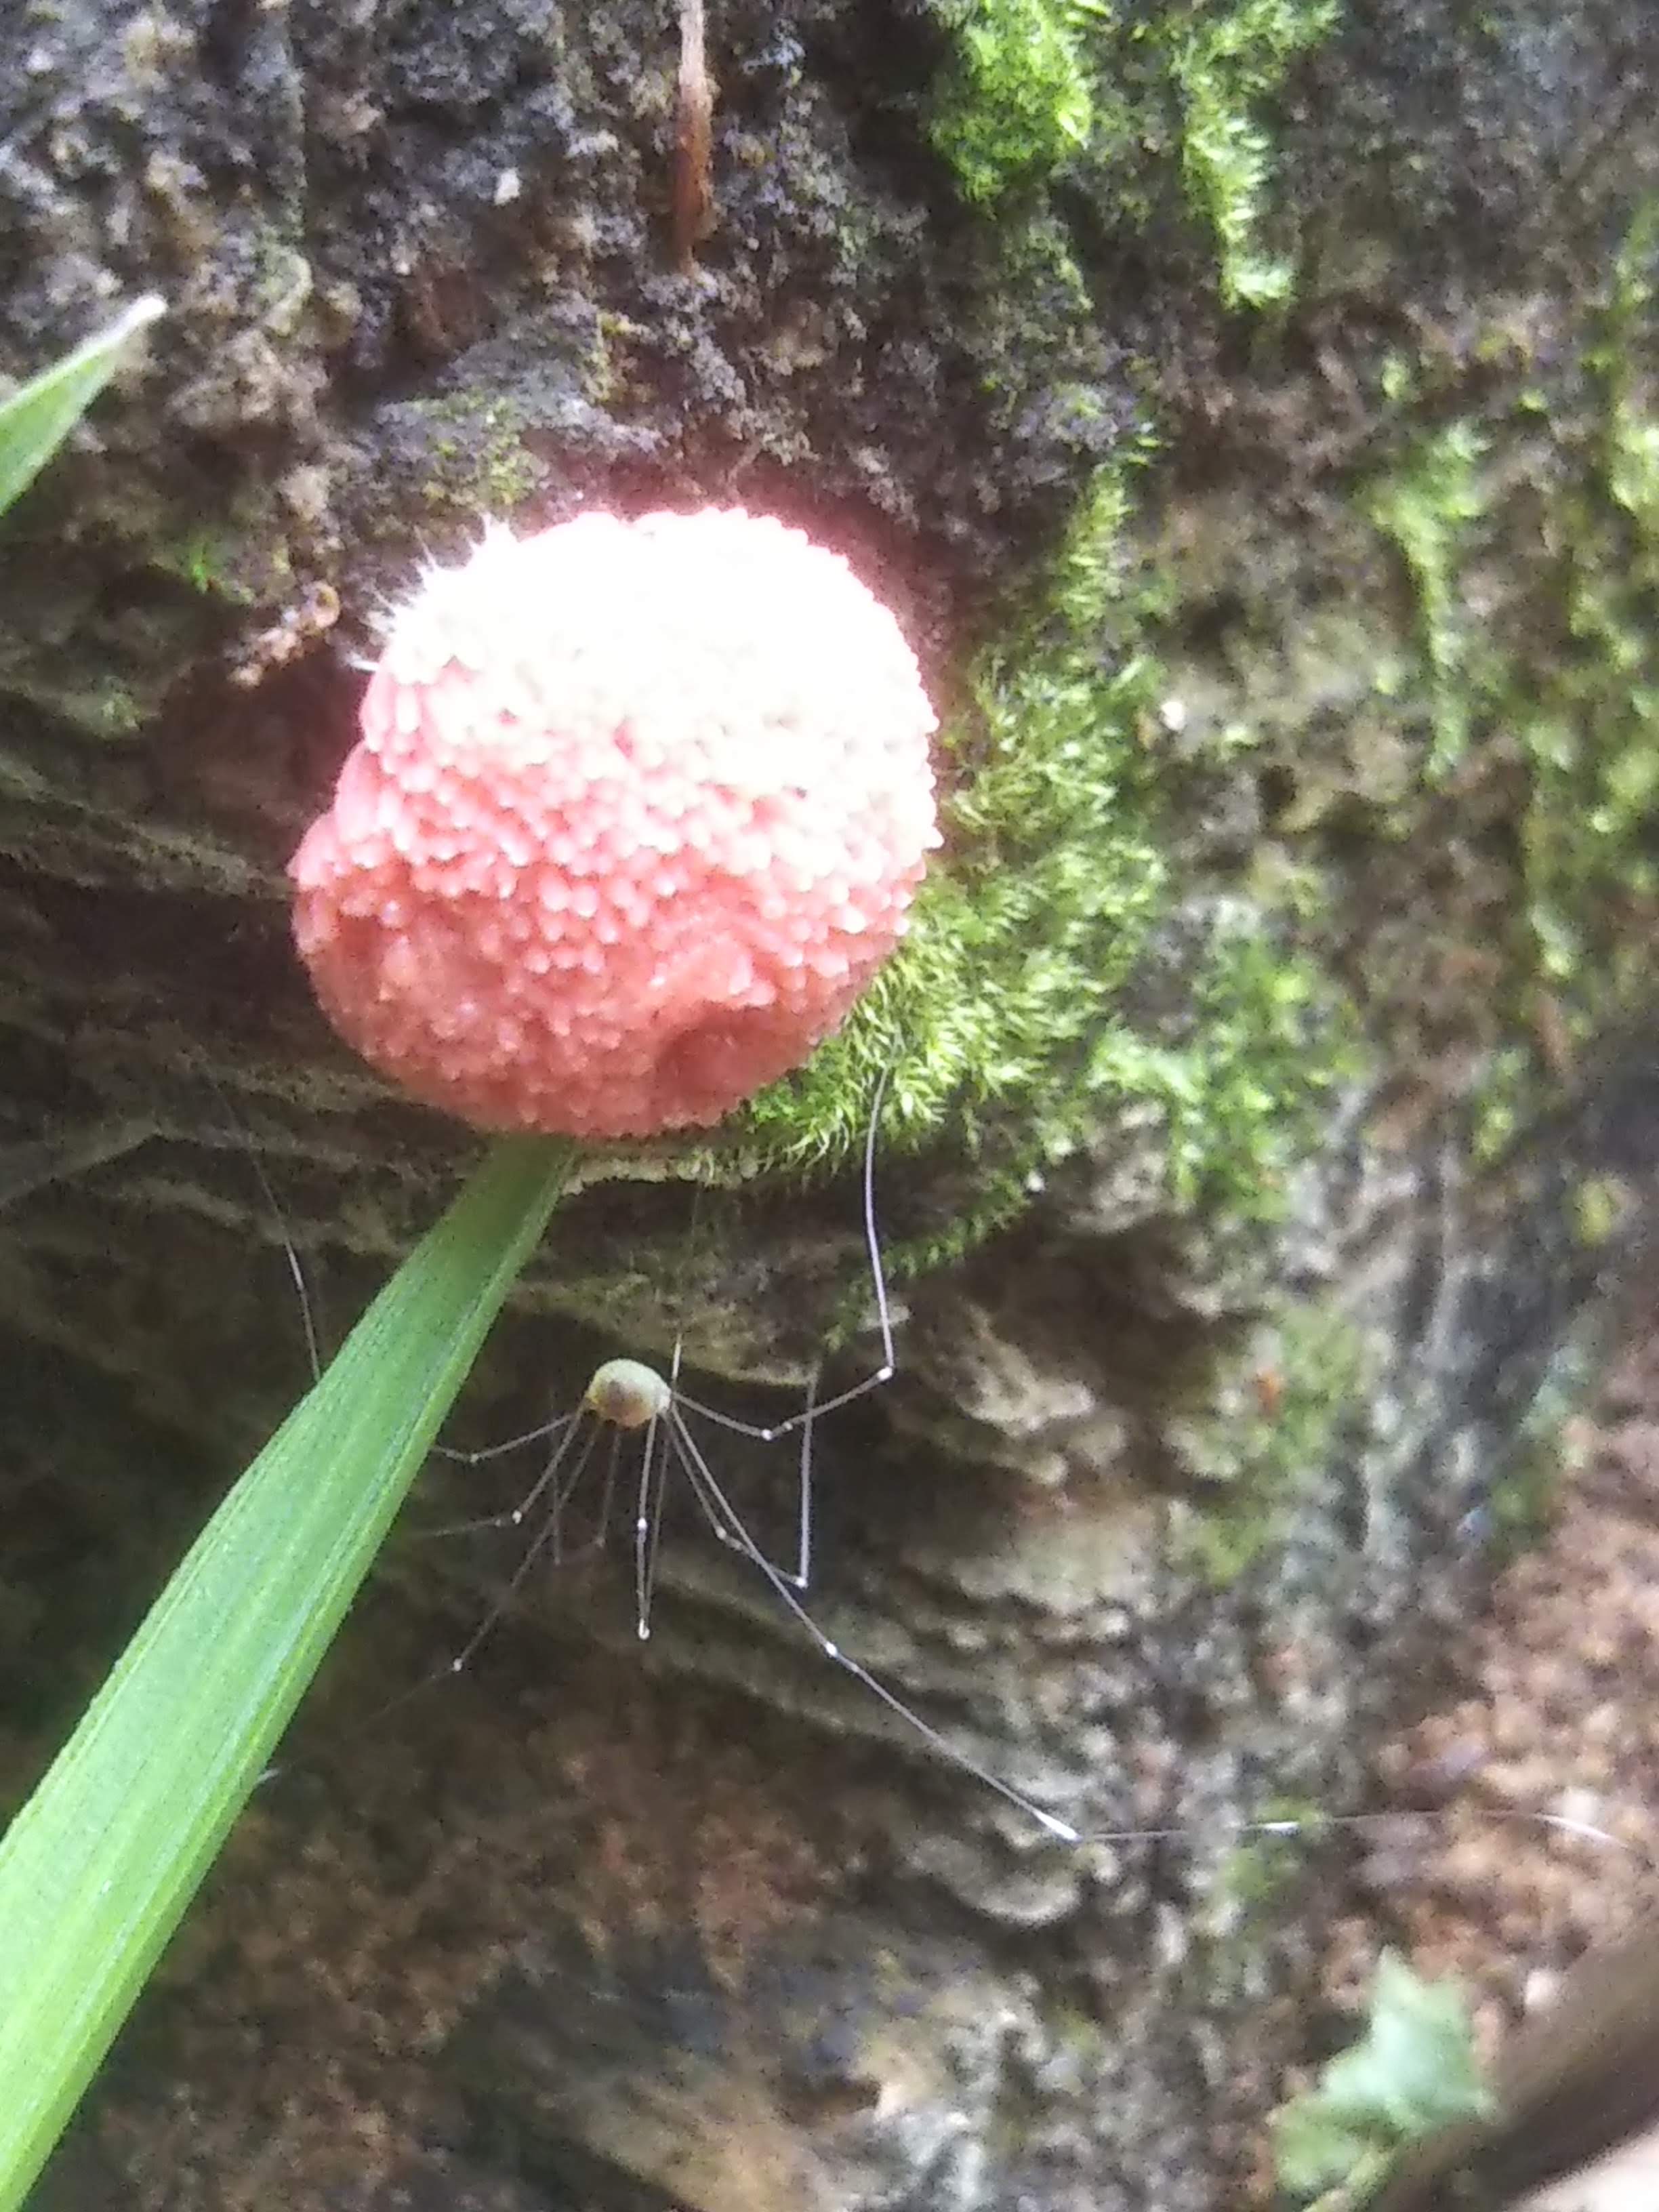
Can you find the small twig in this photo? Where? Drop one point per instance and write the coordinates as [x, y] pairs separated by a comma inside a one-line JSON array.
[[693, 143]]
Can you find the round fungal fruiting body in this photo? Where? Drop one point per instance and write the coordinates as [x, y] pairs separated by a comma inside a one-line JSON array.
[[637, 810]]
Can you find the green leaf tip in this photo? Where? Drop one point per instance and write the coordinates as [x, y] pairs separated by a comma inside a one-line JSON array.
[[39, 415]]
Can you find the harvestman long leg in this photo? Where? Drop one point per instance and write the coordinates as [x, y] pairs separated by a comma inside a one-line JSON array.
[[815, 1407], [284, 1230], [721, 1510], [550, 1431], [655, 1470], [584, 1434]]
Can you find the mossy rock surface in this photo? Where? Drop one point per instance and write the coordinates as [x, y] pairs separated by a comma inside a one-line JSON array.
[[1247, 409]]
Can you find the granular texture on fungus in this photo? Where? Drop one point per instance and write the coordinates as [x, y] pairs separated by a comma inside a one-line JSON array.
[[637, 810]]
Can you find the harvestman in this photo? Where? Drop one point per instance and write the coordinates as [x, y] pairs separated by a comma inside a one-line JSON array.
[[627, 1398], [630, 1399]]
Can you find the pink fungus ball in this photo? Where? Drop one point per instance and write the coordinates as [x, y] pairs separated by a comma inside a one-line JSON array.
[[637, 810]]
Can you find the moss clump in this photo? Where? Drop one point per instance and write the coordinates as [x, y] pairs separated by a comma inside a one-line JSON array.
[[1592, 735], [1252, 1880], [1277, 1413], [1035, 84], [1254, 1886], [1229, 64], [1530, 537], [477, 463], [1550, 1449], [1427, 509], [1604, 1208], [1060, 977], [1016, 100], [216, 562]]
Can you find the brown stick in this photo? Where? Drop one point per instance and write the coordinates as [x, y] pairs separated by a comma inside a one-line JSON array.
[[694, 147]]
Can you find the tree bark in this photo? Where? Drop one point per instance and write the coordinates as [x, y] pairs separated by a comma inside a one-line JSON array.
[[1191, 1463]]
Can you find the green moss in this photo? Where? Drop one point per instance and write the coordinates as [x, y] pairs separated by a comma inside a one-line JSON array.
[[282, 285], [1505, 1103], [1530, 541], [478, 462], [1252, 1880], [1603, 1208], [103, 705], [1427, 510], [1228, 64], [1016, 99], [1035, 84], [209, 562], [1060, 980], [1257, 1009], [1277, 1410], [113, 710], [1592, 733], [1253, 1888]]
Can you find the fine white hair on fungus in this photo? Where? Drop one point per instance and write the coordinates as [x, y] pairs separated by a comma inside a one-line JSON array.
[[629, 1403]]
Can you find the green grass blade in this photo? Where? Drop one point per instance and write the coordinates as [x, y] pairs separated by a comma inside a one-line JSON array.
[[41, 414], [100, 1864]]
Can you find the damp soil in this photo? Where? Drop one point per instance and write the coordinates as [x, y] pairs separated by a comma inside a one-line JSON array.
[[1536, 1761]]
